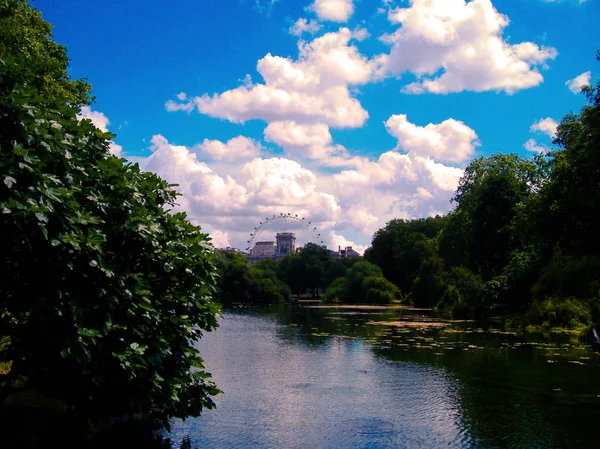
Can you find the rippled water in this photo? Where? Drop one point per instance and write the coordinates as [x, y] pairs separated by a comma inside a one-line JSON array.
[[310, 377]]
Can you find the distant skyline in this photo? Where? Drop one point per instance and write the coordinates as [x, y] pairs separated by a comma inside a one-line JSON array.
[[350, 113]]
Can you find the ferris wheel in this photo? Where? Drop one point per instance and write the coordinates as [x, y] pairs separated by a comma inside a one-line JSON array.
[[284, 223]]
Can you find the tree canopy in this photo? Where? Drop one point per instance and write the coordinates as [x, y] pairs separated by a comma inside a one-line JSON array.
[[104, 290]]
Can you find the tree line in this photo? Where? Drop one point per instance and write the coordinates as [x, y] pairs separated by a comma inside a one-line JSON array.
[[522, 242]]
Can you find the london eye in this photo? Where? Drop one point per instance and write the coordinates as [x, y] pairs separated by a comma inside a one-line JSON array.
[[284, 222]]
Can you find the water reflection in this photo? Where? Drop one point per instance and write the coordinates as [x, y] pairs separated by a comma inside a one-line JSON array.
[[319, 377]]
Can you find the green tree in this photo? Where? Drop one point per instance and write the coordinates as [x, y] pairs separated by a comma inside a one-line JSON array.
[[401, 247], [565, 213], [104, 291], [480, 233]]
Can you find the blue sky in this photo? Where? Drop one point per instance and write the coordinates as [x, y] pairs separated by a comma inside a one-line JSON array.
[[348, 112]]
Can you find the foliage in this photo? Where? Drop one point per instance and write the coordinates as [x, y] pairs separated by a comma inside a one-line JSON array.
[[401, 247], [240, 284], [454, 303], [310, 269], [565, 211], [523, 238], [378, 290], [363, 283], [480, 233], [428, 286], [104, 291], [559, 312], [337, 291], [31, 58]]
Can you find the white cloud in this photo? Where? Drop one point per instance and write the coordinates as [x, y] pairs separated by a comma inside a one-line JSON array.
[[219, 239], [546, 125], [464, 41], [333, 10], [237, 148], [232, 204], [312, 89], [115, 149], [578, 82], [360, 34], [308, 141], [305, 26], [341, 242], [449, 141], [101, 122], [228, 204], [394, 186], [534, 147]]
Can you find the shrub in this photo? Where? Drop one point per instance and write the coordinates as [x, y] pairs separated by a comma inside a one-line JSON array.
[[556, 312]]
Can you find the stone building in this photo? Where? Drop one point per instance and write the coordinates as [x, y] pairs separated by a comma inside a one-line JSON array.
[[286, 243]]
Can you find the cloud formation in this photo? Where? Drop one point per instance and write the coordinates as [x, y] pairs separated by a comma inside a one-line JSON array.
[[534, 147], [237, 148], [464, 41], [578, 82], [449, 141], [305, 26], [333, 10], [546, 125], [312, 89]]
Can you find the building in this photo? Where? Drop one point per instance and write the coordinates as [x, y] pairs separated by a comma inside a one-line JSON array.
[[264, 249], [346, 253], [286, 243], [228, 249]]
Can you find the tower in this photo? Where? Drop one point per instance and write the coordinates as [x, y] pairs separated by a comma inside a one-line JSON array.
[[286, 243]]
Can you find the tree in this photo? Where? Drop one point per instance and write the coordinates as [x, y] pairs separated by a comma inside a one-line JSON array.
[[480, 233], [104, 291], [565, 213], [401, 247]]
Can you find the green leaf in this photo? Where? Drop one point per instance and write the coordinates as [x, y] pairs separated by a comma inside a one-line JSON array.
[[9, 181], [89, 332]]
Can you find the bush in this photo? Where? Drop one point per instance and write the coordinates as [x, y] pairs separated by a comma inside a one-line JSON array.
[[104, 291], [337, 291], [555, 312], [453, 303], [378, 290]]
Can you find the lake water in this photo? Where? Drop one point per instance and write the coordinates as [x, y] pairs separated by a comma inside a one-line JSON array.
[[308, 376]]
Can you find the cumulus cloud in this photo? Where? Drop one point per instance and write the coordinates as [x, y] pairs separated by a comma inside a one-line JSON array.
[[546, 125], [333, 10], [101, 122], [305, 26], [232, 204], [449, 141], [534, 147], [360, 200], [578, 82], [309, 141], [237, 148], [394, 186], [312, 89], [464, 41]]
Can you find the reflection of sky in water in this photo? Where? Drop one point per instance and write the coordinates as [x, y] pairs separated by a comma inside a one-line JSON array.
[[282, 393]]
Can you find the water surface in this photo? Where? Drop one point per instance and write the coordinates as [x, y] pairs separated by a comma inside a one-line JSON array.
[[319, 377]]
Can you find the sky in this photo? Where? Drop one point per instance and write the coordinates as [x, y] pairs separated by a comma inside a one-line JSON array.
[[349, 113]]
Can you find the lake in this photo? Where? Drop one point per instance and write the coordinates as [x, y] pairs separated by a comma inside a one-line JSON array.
[[313, 376]]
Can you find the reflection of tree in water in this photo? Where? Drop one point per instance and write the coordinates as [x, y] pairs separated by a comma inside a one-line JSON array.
[[510, 396], [34, 427], [315, 325]]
